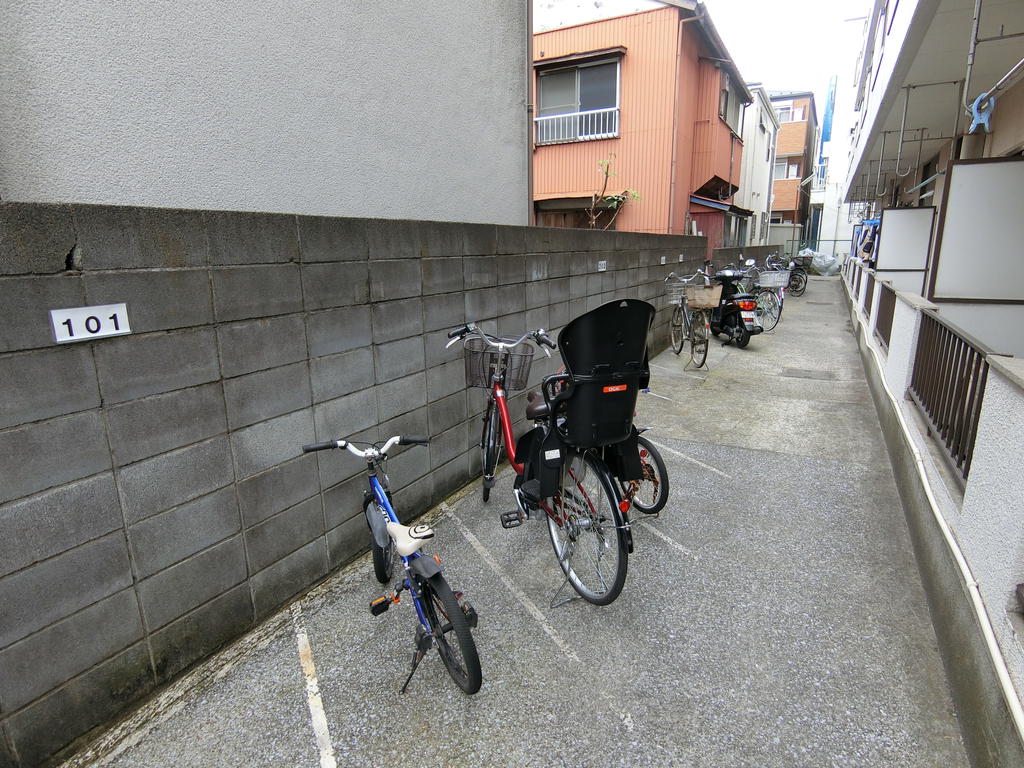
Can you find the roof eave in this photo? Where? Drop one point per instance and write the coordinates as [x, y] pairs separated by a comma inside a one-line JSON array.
[[708, 27]]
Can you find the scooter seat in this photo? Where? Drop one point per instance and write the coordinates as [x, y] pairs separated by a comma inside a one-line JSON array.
[[409, 539], [536, 407]]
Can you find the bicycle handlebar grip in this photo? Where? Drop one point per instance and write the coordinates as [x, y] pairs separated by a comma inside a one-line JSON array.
[[544, 339], [327, 444], [413, 440], [458, 332]]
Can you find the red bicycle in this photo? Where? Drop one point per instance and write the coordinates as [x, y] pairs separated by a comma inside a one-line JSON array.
[[586, 515], [500, 365]]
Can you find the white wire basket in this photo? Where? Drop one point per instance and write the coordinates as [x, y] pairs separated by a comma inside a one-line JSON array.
[[675, 292], [773, 279]]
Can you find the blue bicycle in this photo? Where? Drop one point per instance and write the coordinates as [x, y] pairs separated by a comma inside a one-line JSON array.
[[445, 618]]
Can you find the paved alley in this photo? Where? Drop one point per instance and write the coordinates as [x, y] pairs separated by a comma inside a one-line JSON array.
[[772, 615]]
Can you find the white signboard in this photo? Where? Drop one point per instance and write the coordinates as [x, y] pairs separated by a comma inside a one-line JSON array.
[[982, 232], [904, 238], [87, 323]]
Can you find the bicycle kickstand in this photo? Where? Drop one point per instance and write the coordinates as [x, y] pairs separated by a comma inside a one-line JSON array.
[[555, 602], [423, 643]]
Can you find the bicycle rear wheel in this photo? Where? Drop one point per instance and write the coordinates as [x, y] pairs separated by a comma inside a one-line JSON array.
[[699, 337], [451, 633], [589, 537], [675, 327], [490, 442], [798, 282], [769, 309], [652, 492]]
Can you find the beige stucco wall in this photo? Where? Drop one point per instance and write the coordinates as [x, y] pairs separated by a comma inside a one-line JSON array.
[[1007, 135], [393, 110]]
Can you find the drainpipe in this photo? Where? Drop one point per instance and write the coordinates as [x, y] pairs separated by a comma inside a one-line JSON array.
[[531, 215], [675, 129], [675, 124], [970, 53]]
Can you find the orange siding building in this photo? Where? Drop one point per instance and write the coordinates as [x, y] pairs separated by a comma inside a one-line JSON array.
[[670, 127], [794, 156]]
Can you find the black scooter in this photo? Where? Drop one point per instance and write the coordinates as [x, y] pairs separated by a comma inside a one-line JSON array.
[[735, 316]]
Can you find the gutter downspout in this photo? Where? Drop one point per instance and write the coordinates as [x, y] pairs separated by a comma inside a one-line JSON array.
[[675, 122], [675, 129], [531, 215], [975, 22]]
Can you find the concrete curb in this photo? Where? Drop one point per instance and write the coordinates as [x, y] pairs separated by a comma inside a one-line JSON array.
[[986, 722]]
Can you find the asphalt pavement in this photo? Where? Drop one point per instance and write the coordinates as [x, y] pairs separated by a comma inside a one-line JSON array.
[[772, 614]]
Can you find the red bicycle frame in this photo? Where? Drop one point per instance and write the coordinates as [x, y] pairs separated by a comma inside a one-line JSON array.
[[498, 394]]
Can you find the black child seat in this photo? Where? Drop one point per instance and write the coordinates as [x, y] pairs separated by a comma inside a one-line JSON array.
[[605, 355], [590, 405]]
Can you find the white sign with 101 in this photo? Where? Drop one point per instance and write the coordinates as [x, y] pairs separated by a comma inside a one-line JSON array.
[[86, 323]]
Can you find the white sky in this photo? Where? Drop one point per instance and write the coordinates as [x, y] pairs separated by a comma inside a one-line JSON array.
[[789, 45]]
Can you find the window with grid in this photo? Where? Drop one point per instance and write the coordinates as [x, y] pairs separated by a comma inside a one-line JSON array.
[[787, 113], [786, 168], [578, 103]]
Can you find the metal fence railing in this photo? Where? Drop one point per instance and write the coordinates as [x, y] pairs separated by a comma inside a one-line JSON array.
[[948, 385], [578, 126], [886, 310]]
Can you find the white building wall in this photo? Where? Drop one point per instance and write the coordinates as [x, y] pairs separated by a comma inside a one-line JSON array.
[[395, 110], [990, 528], [997, 326], [755, 186]]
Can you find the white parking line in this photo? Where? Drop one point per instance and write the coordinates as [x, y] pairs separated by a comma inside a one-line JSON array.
[[134, 729], [624, 716], [519, 595], [664, 537], [681, 455], [316, 705], [677, 373], [660, 397]]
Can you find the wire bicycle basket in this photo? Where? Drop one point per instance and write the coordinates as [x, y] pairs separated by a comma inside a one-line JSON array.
[[773, 279], [703, 296], [675, 292], [482, 364]]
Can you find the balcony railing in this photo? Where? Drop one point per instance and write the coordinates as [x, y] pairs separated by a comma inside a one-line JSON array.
[[869, 291], [886, 310], [820, 177], [948, 383], [578, 126]]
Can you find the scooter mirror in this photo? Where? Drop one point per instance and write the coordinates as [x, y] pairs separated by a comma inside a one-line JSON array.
[[749, 262]]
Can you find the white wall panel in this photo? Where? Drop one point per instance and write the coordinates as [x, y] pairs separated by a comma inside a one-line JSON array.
[[904, 238], [981, 252]]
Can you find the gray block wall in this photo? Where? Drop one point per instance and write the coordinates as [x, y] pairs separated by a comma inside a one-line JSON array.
[[722, 256], [154, 500]]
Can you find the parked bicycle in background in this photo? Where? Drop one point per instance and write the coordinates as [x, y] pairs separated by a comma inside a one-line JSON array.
[[797, 275], [694, 298]]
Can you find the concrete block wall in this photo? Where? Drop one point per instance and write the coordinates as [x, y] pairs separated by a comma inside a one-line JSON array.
[[723, 256], [154, 502]]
